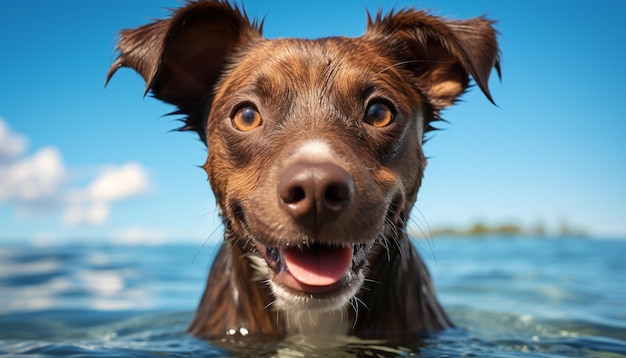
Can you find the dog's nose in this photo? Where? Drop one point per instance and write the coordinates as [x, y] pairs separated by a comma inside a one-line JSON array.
[[315, 193]]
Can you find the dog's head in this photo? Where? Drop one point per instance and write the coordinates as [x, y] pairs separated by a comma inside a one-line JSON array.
[[315, 146]]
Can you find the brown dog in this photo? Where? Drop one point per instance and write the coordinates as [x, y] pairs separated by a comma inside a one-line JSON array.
[[315, 157]]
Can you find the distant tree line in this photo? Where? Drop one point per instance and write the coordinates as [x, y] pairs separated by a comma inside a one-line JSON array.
[[509, 229]]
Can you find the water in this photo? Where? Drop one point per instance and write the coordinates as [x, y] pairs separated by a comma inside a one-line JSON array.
[[511, 297]]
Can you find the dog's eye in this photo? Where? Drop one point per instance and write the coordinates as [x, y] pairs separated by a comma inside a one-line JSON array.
[[378, 115], [246, 118]]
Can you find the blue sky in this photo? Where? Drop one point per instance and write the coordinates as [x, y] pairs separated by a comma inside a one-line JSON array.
[[78, 161]]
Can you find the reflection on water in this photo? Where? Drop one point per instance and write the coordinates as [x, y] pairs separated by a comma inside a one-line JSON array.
[[100, 277], [509, 297]]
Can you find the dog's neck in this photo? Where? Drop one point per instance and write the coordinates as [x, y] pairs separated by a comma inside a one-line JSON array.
[[318, 323], [399, 297]]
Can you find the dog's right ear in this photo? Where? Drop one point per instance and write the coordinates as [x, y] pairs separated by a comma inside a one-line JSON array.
[[440, 53], [182, 58]]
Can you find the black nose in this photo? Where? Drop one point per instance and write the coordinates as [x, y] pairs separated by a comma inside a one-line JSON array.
[[315, 194]]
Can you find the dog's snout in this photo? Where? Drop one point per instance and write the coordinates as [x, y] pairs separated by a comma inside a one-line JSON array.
[[315, 193]]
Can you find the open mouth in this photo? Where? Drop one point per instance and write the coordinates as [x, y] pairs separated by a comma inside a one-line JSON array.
[[318, 269]]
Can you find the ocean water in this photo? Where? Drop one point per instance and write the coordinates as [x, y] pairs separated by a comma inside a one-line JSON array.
[[510, 297]]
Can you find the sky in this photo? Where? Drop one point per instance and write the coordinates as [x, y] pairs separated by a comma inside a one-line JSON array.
[[79, 161]]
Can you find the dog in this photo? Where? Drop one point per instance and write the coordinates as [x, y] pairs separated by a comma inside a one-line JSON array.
[[315, 159]]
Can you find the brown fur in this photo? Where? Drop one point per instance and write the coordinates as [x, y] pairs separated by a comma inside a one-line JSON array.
[[209, 58]]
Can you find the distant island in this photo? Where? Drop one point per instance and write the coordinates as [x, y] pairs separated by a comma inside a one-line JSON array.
[[481, 229]]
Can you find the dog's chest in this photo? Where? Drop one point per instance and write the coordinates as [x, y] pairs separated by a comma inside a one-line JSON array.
[[318, 323]]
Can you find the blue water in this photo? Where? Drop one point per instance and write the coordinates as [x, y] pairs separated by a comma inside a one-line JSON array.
[[510, 297]]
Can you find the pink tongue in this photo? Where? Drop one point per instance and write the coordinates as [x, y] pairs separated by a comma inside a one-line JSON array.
[[318, 265]]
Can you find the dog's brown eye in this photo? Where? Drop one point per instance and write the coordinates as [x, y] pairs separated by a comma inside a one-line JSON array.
[[378, 115], [247, 118]]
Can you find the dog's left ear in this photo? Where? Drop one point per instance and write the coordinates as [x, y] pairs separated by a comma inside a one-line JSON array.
[[441, 53], [182, 58]]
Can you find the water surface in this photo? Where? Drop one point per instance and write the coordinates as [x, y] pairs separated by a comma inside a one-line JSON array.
[[510, 297]]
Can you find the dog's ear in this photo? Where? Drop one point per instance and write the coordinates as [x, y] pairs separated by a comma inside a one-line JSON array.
[[441, 53], [182, 58]]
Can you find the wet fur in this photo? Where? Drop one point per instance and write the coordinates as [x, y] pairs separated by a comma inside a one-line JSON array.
[[209, 57]]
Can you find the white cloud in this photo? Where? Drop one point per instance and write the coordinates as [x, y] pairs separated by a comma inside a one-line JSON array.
[[11, 145], [114, 184], [37, 178], [41, 182], [92, 213], [91, 205]]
